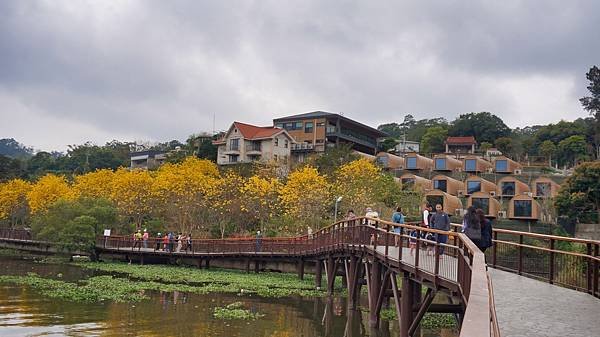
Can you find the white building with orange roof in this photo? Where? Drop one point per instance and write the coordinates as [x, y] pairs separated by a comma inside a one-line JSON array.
[[245, 143]]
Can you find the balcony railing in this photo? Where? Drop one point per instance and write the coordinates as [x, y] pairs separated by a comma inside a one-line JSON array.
[[253, 147], [302, 147]]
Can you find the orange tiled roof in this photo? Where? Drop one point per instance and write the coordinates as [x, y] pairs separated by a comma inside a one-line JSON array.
[[251, 132], [254, 132], [461, 140]]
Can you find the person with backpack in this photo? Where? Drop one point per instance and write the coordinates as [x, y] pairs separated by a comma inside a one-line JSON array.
[[486, 230], [440, 221], [472, 226], [398, 218]]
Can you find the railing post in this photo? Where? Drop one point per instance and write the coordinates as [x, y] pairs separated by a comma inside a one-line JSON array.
[[494, 250], [387, 240], [520, 267], [596, 266], [590, 272], [551, 276]]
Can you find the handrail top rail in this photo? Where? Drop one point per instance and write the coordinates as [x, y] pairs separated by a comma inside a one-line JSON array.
[[547, 237]]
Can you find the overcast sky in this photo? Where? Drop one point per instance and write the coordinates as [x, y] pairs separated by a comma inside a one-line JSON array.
[[72, 71]]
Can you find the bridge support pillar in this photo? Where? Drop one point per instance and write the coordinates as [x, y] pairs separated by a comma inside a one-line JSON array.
[[352, 274], [247, 266], [142, 259], [332, 266], [318, 273], [256, 266], [406, 305], [301, 269], [375, 288], [207, 265], [199, 263]]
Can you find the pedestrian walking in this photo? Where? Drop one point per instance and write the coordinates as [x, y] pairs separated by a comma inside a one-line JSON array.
[[258, 240], [472, 226], [171, 241], [158, 241], [486, 230], [440, 221], [137, 239], [145, 238], [398, 218], [189, 242], [179, 243], [166, 242]]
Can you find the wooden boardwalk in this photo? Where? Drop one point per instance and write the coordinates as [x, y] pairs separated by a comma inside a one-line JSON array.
[[530, 308]]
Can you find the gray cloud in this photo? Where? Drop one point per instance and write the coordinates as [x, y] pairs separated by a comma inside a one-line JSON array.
[[76, 71]]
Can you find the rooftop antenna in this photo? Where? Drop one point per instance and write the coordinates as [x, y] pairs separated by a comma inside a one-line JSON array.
[[213, 131]]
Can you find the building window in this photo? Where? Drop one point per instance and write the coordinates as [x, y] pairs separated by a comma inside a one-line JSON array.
[[523, 208], [275, 157], [501, 166], [233, 158], [320, 124], [470, 165], [407, 182], [542, 189], [473, 186], [279, 125], [285, 143], [308, 127], [320, 141], [411, 163], [298, 126], [440, 163], [276, 141], [483, 203], [285, 159], [508, 188], [441, 185], [234, 144]]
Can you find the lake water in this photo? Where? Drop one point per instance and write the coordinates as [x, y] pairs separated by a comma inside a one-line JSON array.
[[24, 312]]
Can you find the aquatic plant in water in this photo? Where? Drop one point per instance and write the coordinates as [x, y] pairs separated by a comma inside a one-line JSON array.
[[235, 310]]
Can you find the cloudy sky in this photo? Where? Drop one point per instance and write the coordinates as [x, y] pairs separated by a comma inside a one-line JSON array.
[[72, 71]]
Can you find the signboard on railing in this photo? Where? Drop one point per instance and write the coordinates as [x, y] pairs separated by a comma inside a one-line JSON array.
[[107, 232]]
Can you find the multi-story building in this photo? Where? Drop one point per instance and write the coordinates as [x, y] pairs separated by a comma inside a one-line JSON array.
[[149, 159], [245, 143], [314, 131], [460, 144]]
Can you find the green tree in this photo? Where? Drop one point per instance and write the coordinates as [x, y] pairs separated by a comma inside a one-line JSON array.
[[74, 224], [484, 146], [572, 149], [334, 157], [433, 140], [547, 149], [387, 144], [484, 126], [579, 195], [505, 145], [592, 104]]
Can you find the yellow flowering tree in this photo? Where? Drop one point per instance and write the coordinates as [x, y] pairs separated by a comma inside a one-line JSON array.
[[183, 191], [131, 191], [260, 198], [13, 201], [357, 183], [94, 184], [225, 213], [47, 190], [306, 196]]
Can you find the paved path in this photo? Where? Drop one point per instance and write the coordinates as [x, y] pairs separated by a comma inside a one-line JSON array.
[[528, 308]]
